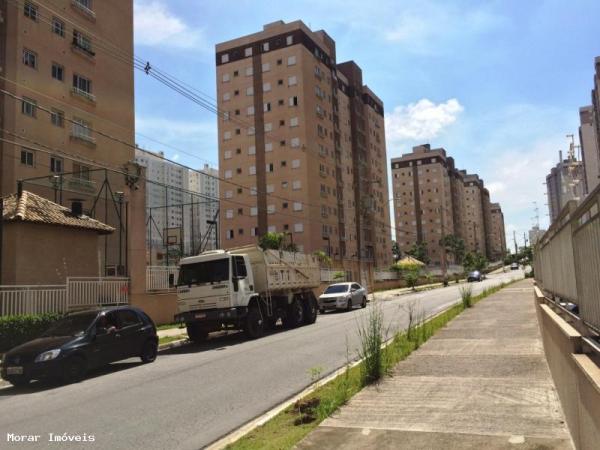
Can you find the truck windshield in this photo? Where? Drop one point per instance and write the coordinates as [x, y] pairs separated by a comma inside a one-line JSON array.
[[337, 289], [204, 272]]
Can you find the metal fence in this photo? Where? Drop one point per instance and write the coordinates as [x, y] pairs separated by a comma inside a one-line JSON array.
[[567, 258], [335, 275], [161, 278], [77, 293]]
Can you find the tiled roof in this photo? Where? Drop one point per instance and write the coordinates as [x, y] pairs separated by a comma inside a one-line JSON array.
[[35, 209]]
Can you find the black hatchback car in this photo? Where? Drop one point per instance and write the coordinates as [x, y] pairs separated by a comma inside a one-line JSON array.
[[82, 341]]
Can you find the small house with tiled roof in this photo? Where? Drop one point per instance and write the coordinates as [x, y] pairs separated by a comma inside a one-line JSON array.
[[44, 242]]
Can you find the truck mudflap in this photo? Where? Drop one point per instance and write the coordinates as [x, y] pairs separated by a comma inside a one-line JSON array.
[[212, 315]]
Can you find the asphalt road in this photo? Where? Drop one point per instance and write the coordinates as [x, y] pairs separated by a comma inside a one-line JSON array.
[[195, 394]]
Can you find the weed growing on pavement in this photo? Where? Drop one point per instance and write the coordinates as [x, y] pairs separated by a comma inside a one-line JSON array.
[[372, 334], [466, 294]]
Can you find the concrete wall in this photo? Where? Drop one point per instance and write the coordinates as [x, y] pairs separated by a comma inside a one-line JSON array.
[[576, 375], [47, 254], [160, 307]]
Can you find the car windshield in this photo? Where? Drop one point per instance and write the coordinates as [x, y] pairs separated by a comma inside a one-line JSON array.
[[73, 325], [204, 272], [337, 289]]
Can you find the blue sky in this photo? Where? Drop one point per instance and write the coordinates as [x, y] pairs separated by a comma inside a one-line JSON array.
[[498, 84]]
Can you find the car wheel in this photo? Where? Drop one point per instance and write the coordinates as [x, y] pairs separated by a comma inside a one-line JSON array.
[[310, 310], [349, 305], [254, 323], [19, 381], [74, 369], [196, 333], [295, 315], [364, 303], [149, 351]]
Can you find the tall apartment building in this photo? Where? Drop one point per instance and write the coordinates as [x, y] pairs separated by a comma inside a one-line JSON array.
[[590, 148], [566, 181], [498, 233], [535, 234], [54, 60], [301, 147], [433, 199], [179, 203]]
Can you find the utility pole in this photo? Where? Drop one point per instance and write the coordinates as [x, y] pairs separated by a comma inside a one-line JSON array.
[[525, 240], [515, 241], [1, 234]]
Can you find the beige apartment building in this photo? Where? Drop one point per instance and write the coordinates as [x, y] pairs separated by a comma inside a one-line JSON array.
[[63, 66], [498, 233], [301, 147], [433, 199]]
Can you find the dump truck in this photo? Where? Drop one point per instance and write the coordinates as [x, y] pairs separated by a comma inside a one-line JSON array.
[[246, 288]]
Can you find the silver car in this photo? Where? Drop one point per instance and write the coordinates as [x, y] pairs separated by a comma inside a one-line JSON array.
[[343, 296]]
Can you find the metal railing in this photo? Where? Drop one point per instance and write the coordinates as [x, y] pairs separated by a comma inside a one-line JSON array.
[[333, 275], [567, 258], [77, 293], [161, 278]]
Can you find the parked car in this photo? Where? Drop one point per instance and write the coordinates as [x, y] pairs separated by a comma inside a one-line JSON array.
[[476, 275], [514, 266], [82, 341], [343, 296]]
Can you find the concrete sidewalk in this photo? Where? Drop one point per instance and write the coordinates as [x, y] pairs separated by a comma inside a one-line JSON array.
[[481, 382]]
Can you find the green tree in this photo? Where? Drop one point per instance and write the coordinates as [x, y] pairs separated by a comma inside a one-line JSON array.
[[409, 272], [276, 241], [419, 251], [323, 258], [474, 261], [455, 246]]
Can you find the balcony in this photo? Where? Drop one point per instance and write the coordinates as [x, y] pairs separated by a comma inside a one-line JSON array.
[[83, 10], [81, 185], [84, 94], [83, 48], [84, 138]]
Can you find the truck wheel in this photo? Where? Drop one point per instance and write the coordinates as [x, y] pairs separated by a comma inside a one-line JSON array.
[[254, 323], [294, 315], [196, 332], [310, 310]]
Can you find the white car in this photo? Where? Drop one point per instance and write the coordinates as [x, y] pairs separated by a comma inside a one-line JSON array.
[[343, 296]]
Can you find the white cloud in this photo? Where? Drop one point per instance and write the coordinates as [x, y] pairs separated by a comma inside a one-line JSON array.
[[156, 25], [420, 121]]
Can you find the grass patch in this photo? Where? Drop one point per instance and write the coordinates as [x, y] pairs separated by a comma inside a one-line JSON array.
[[291, 425], [168, 326], [167, 339]]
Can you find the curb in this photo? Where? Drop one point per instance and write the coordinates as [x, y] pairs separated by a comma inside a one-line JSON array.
[[174, 344]]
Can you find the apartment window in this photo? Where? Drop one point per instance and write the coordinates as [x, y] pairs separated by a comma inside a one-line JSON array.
[[296, 185], [225, 59], [82, 129], [279, 62], [58, 27], [229, 234], [249, 71], [266, 87], [87, 4], [281, 122], [236, 92], [82, 84], [56, 164], [228, 174], [229, 214], [295, 163], [252, 170], [251, 131], [298, 227], [58, 72], [227, 154], [226, 96], [297, 206], [280, 82], [237, 112], [29, 58], [57, 118], [250, 91], [83, 42], [229, 194], [295, 142], [282, 143], [269, 167], [225, 77], [253, 211], [266, 67], [280, 102], [226, 116], [27, 157], [293, 101], [271, 209], [292, 81], [29, 107], [30, 10], [269, 147], [294, 122], [291, 60], [248, 51], [284, 184], [253, 191], [252, 150], [284, 205], [226, 135], [250, 111], [289, 40], [267, 107], [270, 188], [268, 127], [238, 170], [80, 171], [283, 163]]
